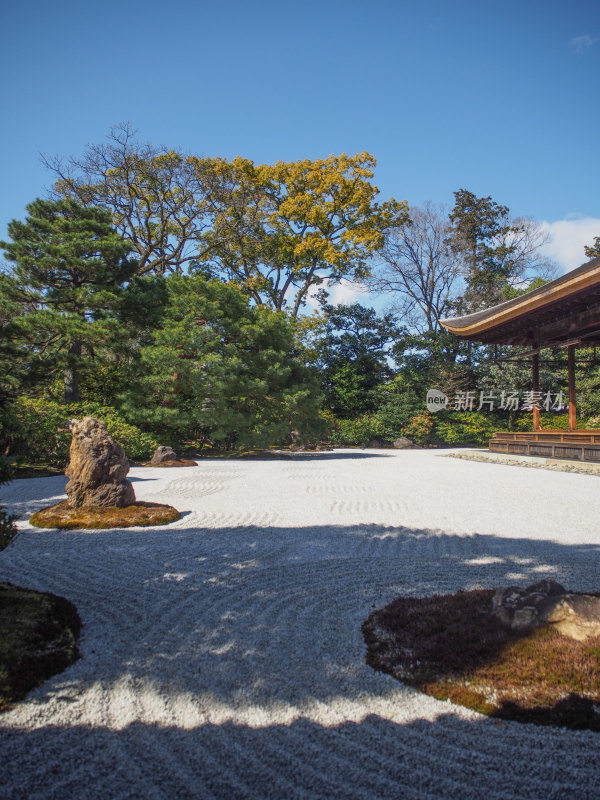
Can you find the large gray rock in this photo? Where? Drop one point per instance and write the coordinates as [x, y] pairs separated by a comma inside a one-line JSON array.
[[163, 453], [97, 467], [402, 443], [547, 603]]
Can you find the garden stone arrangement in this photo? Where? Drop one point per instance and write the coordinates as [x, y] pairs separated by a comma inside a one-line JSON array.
[[99, 496], [547, 603], [222, 654], [97, 468], [166, 457]]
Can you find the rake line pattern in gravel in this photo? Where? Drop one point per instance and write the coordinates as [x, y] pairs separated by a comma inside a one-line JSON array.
[[222, 654], [200, 483]]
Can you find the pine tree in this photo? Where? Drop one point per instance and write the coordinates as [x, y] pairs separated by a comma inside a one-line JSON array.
[[353, 356], [70, 266], [593, 250], [479, 237], [219, 370]]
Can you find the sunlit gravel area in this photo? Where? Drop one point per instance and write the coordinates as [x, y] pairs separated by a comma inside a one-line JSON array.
[[222, 655]]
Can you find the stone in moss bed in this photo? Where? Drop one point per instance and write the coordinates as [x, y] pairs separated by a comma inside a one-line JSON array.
[[62, 515], [38, 638], [453, 648]]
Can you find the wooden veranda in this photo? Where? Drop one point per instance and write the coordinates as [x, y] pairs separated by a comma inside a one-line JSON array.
[[564, 313]]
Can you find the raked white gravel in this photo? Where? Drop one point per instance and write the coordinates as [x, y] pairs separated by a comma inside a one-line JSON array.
[[222, 655]]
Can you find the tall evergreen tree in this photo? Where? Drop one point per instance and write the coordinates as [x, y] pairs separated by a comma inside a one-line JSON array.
[[478, 237], [593, 250], [70, 266], [498, 254], [14, 355], [353, 356], [221, 371]]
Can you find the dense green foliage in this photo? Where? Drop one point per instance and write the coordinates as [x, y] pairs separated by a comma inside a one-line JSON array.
[[69, 268], [40, 435], [479, 230], [220, 371], [352, 360], [7, 527], [593, 250], [200, 341]]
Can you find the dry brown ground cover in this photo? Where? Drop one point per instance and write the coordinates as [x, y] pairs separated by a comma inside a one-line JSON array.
[[453, 648], [38, 638], [62, 515]]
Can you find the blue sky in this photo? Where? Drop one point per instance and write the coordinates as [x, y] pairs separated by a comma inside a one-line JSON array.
[[497, 98]]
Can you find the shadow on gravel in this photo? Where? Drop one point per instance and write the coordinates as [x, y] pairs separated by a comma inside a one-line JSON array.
[[306, 456], [267, 620], [448, 758], [274, 613], [39, 493]]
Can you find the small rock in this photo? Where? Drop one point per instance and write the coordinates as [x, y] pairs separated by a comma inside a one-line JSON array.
[[97, 468], [513, 600], [547, 603], [163, 453], [575, 615], [402, 443]]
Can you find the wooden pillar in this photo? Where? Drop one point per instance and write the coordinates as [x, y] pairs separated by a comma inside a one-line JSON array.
[[571, 371], [535, 375]]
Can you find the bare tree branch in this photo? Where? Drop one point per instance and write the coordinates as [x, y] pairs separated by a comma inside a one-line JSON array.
[[417, 265]]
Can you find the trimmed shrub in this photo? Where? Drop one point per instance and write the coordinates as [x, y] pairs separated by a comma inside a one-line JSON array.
[[550, 422], [353, 432], [399, 406], [419, 428], [41, 434], [465, 427]]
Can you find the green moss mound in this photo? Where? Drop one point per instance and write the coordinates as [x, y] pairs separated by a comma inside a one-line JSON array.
[[38, 638], [142, 514], [453, 648]]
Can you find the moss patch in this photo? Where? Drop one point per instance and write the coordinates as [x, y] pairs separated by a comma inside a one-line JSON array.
[[180, 462], [453, 648], [62, 515], [38, 638]]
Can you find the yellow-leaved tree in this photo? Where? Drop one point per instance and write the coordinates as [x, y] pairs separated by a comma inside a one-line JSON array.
[[276, 230], [279, 230]]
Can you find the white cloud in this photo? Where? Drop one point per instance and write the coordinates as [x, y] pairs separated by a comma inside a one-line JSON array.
[[568, 238], [346, 293], [579, 44]]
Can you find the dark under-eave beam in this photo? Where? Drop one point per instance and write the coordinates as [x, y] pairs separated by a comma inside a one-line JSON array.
[[572, 327]]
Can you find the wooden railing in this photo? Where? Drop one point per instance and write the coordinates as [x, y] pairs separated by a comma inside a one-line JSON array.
[[582, 445]]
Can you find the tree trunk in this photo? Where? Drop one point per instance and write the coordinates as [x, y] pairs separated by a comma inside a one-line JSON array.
[[72, 373]]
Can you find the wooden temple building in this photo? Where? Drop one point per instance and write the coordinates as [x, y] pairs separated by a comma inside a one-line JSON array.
[[564, 313]]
